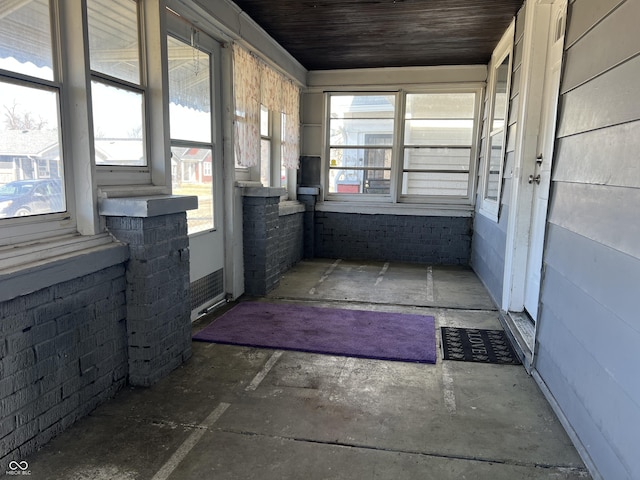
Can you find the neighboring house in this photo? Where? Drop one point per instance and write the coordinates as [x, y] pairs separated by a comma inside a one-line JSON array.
[[28, 155], [191, 166]]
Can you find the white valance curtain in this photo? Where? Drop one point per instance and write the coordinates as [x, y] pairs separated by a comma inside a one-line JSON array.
[[255, 84]]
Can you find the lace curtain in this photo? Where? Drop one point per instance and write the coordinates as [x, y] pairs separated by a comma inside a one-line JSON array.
[[256, 83], [291, 127], [246, 80]]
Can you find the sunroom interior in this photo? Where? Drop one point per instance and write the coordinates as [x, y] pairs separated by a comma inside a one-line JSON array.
[[160, 159]]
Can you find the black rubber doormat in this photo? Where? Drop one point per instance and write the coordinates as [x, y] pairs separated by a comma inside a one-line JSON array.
[[475, 345]]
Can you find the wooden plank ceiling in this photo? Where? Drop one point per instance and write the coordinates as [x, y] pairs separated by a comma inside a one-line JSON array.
[[338, 34]]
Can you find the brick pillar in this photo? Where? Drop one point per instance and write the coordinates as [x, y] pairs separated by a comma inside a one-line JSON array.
[[260, 223], [158, 295]]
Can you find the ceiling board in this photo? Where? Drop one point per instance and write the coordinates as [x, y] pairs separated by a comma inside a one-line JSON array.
[[339, 34]]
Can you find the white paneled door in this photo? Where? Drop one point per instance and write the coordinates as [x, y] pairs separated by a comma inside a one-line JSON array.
[[541, 177]]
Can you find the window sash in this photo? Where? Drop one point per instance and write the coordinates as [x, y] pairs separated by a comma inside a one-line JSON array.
[[495, 142], [39, 72]]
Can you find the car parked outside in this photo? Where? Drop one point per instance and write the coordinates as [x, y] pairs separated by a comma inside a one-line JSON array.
[[31, 197]]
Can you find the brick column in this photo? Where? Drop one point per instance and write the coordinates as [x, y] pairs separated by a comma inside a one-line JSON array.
[[260, 223], [158, 298]]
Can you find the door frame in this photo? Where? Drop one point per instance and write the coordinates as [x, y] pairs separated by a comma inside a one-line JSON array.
[[539, 25]]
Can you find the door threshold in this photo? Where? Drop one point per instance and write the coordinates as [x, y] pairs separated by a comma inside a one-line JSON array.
[[521, 331]]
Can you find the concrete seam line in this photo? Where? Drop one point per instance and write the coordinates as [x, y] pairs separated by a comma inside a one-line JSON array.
[[265, 370], [191, 441], [329, 271], [430, 295]]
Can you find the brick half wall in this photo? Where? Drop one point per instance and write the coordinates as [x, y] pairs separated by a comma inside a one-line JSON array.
[[63, 351], [273, 236], [403, 238]]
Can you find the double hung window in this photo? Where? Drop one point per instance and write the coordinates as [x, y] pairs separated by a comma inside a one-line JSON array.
[[266, 121], [117, 84], [32, 169], [411, 147], [75, 105]]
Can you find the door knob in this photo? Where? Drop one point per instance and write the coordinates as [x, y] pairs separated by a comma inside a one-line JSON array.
[[534, 179]]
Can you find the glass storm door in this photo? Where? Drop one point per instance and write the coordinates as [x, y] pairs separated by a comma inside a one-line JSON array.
[[196, 154]]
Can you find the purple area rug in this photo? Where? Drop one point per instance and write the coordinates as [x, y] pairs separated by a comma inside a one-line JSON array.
[[354, 333]]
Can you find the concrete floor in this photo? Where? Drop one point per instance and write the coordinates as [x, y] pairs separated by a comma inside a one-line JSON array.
[[246, 413]]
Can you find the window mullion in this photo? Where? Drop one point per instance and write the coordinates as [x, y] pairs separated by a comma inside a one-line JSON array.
[[76, 119], [155, 78], [397, 155]]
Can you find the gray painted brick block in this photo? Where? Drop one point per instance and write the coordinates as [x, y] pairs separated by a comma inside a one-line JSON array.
[[157, 291], [416, 239], [272, 243], [42, 370]]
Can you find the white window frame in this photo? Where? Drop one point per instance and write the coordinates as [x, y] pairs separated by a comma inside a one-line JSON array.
[[72, 78], [207, 45], [266, 137], [361, 197], [27, 229], [487, 206], [395, 197], [275, 138], [151, 31], [464, 200]]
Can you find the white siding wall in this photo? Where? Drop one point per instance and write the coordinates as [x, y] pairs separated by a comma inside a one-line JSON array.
[[589, 325]]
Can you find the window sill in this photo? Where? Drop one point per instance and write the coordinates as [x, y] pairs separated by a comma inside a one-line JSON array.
[[291, 207], [29, 267], [491, 214], [425, 210]]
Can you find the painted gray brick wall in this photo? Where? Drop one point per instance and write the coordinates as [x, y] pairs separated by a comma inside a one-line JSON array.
[[290, 237], [402, 238], [63, 352], [272, 243], [158, 295]]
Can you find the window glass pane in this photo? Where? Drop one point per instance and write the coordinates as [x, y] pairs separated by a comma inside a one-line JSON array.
[[448, 184], [25, 38], [113, 38], [359, 181], [265, 162], [496, 143], [437, 159], [360, 157], [438, 132], [363, 106], [440, 105], [500, 98], [362, 131], [264, 121], [189, 92], [192, 174], [31, 169], [117, 125], [283, 167]]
